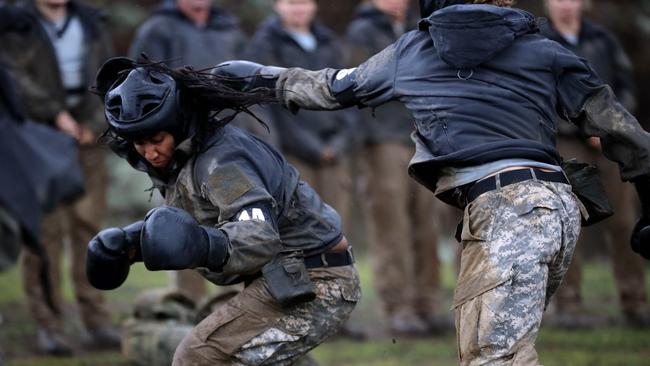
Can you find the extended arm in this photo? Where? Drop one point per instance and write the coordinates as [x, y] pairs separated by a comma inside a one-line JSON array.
[[370, 84], [593, 107]]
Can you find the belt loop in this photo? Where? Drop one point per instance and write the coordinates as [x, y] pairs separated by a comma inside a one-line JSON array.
[[532, 172], [323, 258], [351, 254], [497, 181]]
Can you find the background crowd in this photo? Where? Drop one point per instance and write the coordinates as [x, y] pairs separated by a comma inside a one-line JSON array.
[[355, 159]]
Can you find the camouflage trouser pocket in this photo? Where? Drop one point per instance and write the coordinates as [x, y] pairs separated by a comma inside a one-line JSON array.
[[478, 303], [228, 328], [479, 218], [350, 288]]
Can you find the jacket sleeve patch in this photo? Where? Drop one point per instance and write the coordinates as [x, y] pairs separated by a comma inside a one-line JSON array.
[[228, 183]]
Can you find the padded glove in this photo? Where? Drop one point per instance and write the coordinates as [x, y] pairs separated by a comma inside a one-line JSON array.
[[173, 240], [110, 254], [245, 75], [641, 234]]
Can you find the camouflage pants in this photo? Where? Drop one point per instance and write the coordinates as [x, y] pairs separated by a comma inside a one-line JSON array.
[[517, 245], [252, 329]]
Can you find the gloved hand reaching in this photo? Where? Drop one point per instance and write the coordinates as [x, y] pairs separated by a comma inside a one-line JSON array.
[[246, 76]]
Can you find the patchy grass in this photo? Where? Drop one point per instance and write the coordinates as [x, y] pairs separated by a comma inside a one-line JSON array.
[[607, 346]]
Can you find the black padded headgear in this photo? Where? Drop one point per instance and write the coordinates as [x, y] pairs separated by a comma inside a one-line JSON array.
[[428, 7], [143, 103]]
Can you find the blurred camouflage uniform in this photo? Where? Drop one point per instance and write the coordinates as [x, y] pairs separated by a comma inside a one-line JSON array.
[[402, 236], [170, 36], [606, 55], [42, 88], [160, 320]]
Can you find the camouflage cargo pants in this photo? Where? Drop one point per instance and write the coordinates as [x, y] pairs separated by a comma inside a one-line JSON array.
[[252, 329], [517, 245]]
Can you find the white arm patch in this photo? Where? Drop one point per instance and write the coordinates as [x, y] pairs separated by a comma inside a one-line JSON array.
[[256, 214]]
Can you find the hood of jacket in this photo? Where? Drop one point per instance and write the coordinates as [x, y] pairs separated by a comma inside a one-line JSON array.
[[466, 36]]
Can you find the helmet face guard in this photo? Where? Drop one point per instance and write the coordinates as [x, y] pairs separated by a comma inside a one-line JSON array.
[[428, 7], [142, 103]]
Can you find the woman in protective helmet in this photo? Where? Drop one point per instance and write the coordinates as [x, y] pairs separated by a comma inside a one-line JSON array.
[[235, 211]]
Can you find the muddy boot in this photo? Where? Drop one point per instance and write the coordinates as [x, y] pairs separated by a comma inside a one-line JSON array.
[[637, 319], [103, 338], [351, 332], [53, 343], [440, 325], [306, 360], [572, 321], [407, 325]]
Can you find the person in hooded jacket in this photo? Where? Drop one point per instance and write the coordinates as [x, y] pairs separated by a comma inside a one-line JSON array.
[[198, 34], [236, 212], [485, 89]]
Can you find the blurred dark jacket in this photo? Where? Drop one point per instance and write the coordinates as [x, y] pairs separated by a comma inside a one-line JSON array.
[[305, 134], [40, 171], [170, 36], [370, 32], [33, 58], [606, 56]]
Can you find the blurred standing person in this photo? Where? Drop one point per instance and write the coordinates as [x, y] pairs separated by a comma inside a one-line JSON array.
[[568, 26], [319, 149], [194, 33], [402, 236], [54, 65]]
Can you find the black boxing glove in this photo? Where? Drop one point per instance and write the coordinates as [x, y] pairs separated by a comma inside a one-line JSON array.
[[246, 76], [640, 240], [173, 240], [110, 254]]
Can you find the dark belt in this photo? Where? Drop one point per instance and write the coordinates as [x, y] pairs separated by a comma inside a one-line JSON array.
[[330, 259], [512, 177]]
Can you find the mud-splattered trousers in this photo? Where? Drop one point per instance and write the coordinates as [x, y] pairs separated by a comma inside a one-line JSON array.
[[252, 329], [517, 245]]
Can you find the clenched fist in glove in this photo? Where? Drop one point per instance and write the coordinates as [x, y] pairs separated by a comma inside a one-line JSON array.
[[641, 234], [172, 240], [110, 254], [246, 76]]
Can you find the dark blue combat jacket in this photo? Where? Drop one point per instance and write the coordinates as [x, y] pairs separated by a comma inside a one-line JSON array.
[[483, 85]]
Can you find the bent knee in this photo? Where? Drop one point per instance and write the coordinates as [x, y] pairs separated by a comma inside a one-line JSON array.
[[193, 352]]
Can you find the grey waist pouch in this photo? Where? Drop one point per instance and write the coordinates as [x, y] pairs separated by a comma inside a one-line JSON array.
[[586, 184], [288, 280]]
